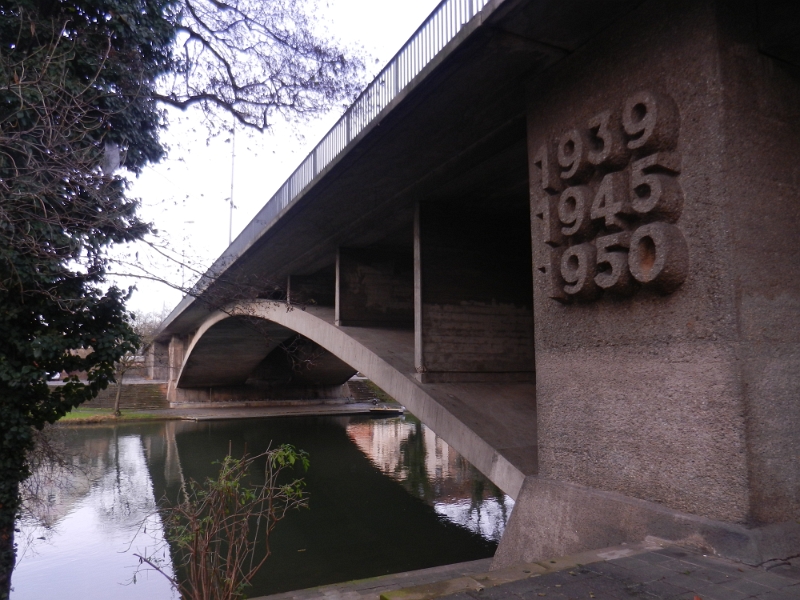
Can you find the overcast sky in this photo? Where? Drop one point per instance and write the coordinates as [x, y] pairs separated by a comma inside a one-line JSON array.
[[186, 195]]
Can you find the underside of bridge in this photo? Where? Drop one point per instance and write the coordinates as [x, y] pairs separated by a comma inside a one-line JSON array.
[[316, 357], [417, 244], [545, 247]]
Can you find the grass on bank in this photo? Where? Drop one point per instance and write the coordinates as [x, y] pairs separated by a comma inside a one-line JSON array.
[[105, 415]]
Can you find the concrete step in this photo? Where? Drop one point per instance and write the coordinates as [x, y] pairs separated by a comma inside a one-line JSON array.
[[480, 581], [373, 587]]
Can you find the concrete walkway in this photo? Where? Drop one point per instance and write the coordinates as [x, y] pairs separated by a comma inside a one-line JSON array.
[[651, 570], [277, 409], [372, 588], [670, 573]]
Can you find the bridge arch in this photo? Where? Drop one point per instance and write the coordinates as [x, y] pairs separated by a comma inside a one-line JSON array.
[[384, 356]]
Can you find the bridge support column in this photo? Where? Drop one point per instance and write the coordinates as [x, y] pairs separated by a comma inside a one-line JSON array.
[[158, 361], [374, 287], [472, 295], [667, 339], [176, 350]]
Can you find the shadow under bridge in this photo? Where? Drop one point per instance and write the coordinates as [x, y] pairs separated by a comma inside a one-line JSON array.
[[277, 351]]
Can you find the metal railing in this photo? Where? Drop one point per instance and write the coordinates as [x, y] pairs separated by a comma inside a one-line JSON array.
[[439, 28]]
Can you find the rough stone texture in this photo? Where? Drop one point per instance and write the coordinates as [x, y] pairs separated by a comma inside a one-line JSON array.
[[761, 201], [473, 292], [553, 517], [685, 399], [374, 287], [318, 289], [644, 430]]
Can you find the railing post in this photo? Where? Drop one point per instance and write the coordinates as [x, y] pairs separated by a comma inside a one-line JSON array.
[[441, 27]]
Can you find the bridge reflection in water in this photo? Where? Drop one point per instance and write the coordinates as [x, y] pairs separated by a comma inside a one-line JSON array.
[[386, 496], [411, 453]]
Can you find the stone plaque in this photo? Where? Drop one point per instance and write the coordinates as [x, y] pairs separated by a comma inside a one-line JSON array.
[[608, 200]]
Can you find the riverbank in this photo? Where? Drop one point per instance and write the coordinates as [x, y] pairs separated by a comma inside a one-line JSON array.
[[364, 473], [84, 416]]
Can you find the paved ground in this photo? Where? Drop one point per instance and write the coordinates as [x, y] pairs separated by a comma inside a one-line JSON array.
[[371, 589], [650, 571], [670, 573]]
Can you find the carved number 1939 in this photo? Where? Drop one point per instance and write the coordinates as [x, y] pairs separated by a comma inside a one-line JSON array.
[[611, 198]]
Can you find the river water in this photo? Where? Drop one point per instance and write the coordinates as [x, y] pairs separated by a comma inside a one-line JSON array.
[[385, 495]]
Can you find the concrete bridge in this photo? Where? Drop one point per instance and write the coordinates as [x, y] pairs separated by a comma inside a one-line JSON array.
[[564, 234]]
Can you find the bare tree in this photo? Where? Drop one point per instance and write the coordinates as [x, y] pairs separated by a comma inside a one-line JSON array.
[[255, 59]]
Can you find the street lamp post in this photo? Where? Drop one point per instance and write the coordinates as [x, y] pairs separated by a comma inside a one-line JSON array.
[[183, 255]]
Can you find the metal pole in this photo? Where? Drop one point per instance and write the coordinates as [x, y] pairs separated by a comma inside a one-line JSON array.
[[183, 256], [233, 162]]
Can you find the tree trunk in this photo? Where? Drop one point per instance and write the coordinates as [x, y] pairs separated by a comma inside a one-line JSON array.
[[10, 467], [117, 412], [7, 558]]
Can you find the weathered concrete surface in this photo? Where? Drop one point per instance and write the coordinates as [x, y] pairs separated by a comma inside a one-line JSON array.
[[473, 293], [660, 574], [551, 517], [501, 444], [374, 287], [372, 588], [689, 400], [652, 569], [760, 197]]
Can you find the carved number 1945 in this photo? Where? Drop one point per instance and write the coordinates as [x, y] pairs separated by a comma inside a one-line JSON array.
[[611, 201]]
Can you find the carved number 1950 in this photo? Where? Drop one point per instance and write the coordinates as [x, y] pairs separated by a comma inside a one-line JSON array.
[[610, 202]]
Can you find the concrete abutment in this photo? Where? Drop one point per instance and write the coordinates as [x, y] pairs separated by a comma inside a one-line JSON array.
[[673, 408]]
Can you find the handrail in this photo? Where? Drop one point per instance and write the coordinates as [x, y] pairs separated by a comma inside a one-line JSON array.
[[443, 24], [440, 28]]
